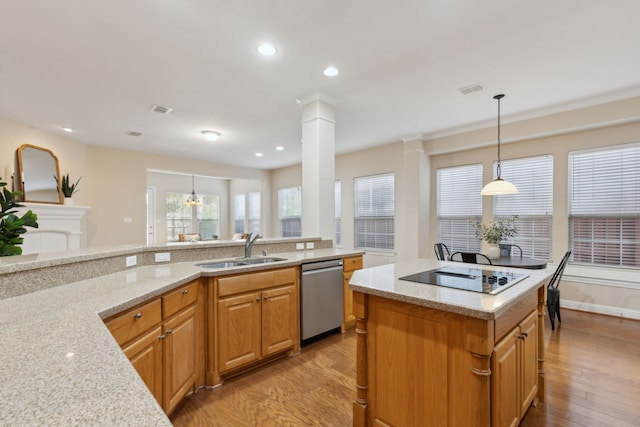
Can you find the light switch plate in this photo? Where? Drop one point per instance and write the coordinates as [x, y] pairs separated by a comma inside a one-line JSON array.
[[163, 257], [299, 246], [132, 260], [310, 245]]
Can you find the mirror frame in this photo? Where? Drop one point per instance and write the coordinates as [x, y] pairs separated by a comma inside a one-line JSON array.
[[21, 174]]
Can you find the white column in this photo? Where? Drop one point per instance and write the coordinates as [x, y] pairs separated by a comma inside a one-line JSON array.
[[415, 188], [318, 166]]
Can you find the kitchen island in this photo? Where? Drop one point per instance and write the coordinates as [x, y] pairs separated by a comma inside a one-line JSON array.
[[430, 355]]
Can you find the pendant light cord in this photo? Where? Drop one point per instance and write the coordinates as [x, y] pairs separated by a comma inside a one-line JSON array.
[[498, 168]]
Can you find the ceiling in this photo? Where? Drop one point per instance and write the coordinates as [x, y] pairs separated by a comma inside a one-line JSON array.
[[98, 67]]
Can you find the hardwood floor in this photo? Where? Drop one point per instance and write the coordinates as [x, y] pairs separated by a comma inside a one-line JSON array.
[[592, 367]]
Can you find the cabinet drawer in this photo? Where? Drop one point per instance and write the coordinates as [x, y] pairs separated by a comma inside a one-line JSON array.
[[134, 322], [353, 263], [255, 281], [179, 299]]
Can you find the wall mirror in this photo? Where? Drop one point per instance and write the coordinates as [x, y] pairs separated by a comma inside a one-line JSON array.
[[37, 171]]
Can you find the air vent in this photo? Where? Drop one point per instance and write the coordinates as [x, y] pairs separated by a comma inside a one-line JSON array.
[[161, 110], [134, 133], [471, 88]]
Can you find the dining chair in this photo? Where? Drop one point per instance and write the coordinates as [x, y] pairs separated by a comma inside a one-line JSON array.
[[442, 251], [470, 258], [506, 249], [553, 293]]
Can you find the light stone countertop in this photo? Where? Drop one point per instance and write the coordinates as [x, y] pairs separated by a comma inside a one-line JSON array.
[[384, 281], [61, 366]]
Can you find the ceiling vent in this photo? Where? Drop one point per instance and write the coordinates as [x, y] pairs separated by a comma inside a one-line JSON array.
[[161, 110], [471, 88], [134, 133]]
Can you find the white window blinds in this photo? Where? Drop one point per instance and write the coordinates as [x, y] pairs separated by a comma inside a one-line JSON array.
[[238, 213], [533, 204], [338, 205], [374, 212], [604, 206], [253, 212], [459, 203], [290, 211]]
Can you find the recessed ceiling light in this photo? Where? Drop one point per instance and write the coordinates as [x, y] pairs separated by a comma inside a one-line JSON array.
[[267, 49], [258, 154], [67, 129], [210, 135], [280, 148], [331, 71]]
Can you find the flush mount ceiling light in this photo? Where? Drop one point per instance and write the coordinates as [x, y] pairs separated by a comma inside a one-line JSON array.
[[210, 135], [280, 148], [193, 199], [331, 71], [258, 154], [498, 186], [67, 129], [267, 49]]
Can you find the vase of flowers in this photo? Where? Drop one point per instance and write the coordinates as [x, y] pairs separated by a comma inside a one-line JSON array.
[[495, 232]]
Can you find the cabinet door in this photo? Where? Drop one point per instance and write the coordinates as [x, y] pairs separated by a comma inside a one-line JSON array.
[[180, 356], [239, 330], [528, 361], [279, 319], [145, 354], [505, 403]]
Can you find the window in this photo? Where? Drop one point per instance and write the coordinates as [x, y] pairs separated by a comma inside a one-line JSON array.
[[533, 204], [459, 205], [253, 212], [604, 206], [238, 213], [374, 212], [182, 219], [338, 204], [290, 211]]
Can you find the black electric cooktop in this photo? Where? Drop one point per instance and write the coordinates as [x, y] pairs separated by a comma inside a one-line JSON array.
[[467, 278]]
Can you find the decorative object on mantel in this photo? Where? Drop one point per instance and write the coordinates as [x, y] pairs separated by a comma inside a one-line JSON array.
[[498, 186], [494, 233], [67, 188], [12, 226]]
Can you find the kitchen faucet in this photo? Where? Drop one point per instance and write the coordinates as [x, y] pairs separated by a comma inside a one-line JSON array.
[[248, 244]]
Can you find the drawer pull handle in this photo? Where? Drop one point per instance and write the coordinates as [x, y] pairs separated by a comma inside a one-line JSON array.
[[161, 337], [257, 299], [137, 315], [523, 335], [186, 291], [266, 298], [169, 331]]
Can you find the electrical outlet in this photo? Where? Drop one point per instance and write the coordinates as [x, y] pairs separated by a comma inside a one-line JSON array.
[[299, 246], [127, 220], [310, 245], [163, 257], [130, 261]]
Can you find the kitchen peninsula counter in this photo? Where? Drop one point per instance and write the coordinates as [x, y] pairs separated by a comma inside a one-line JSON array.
[[432, 355], [61, 365]]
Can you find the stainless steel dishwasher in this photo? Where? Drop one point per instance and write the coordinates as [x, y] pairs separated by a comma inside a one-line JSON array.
[[321, 298]]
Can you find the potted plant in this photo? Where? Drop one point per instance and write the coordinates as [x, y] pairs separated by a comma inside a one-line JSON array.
[[67, 188], [12, 227], [495, 232]]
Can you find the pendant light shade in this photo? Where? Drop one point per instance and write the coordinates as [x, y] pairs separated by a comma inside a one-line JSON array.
[[193, 199], [499, 185]]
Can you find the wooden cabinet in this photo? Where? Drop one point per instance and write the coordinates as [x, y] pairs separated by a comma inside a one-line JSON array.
[[257, 317], [514, 368], [349, 266], [160, 338]]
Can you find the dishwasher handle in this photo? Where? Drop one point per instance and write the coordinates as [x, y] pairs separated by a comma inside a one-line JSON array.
[[321, 265]]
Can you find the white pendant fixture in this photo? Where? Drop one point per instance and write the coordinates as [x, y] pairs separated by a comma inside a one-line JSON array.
[[193, 199], [498, 186]]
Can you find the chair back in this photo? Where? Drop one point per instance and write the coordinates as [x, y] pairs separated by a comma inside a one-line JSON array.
[[442, 252], [506, 249], [555, 279], [470, 258]]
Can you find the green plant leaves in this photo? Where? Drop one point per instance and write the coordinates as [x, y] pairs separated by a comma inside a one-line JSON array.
[[12, 227]]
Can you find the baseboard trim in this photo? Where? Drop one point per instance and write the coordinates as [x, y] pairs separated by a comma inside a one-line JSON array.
[[601, 309]]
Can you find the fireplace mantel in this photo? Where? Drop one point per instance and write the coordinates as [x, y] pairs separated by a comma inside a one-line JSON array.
[[61, 228]]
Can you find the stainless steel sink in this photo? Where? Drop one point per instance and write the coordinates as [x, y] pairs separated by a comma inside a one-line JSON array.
[[222, 264], [260, 260]]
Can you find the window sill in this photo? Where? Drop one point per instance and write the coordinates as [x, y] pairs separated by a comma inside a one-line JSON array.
[[619, 277]]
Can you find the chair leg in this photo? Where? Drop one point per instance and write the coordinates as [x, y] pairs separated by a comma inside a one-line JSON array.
[[550, 316], [553, 304]]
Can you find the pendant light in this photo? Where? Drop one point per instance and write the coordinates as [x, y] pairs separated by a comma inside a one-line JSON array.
[[498, 186], [193, 199]]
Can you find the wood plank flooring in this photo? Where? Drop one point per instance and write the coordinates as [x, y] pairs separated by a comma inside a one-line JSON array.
[[592, 366]]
